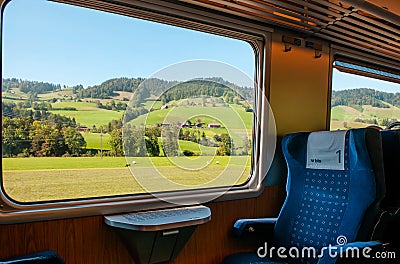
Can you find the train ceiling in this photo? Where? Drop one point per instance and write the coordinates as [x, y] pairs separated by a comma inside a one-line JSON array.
[[348, 22]]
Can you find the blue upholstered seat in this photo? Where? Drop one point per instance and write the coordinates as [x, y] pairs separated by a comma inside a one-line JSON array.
[[322, 204], [388, 226], [391, 154]]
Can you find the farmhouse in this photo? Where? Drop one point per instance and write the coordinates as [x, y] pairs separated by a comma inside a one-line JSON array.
[[214, 125], [83, 129], [187, 124]]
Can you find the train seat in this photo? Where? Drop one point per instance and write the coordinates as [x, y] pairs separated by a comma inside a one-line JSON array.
[[388, 226], [391, 157], [332, 185]]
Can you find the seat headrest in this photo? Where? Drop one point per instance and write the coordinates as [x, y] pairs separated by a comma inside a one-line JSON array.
[[326, 150]]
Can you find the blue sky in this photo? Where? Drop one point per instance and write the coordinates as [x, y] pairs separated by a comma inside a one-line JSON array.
[[342, 81], [57, 43], [52, 42]]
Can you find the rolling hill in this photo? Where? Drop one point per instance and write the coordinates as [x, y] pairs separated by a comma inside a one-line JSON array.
[[362, 107]]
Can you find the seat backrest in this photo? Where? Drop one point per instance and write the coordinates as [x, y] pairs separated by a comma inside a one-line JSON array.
[[391, 161], [331, 184], [387, 227]]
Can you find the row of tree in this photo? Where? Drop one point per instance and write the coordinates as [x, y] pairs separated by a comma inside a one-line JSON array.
[[12, 110], [112, 105], [364, 96], [130, 141], [28, 137], [29, 86], [38, 133]]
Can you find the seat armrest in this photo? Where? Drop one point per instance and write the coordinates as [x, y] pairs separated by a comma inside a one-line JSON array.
[[387, 227], [44, 257], [255, 226]]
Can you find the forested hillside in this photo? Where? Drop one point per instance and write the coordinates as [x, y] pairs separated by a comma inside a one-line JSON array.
[[364, 96], [204, 87], [108, 88], [215, 87], [155, 87], [29, 86]]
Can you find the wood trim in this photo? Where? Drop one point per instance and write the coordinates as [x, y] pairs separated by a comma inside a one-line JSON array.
[[90, 240]]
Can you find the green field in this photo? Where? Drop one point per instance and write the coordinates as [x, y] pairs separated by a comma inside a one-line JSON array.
[[344, 117], [15, 94], [61, 163], [151, 104], [62, 94], [41, 179], [345, 113], [87, 114], [90, 118], [198, 149], [93, 140], [228, 116], [381, 113], [80, 106]]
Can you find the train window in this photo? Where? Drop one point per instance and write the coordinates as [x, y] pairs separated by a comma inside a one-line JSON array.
[[363, 96], [100, 105]]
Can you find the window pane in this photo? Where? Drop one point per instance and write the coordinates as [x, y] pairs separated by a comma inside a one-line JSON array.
[[358, 101], [97, 104]]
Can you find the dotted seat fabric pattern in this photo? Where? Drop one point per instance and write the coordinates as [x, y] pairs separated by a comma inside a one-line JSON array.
[[321, 209]]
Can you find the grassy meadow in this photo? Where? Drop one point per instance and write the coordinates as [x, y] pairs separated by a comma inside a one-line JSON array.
[[93, 140], [87, 114], [43, 179], [197, 149], [344, 117]]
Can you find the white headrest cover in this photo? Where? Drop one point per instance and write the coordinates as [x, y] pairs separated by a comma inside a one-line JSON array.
[[325, 150]]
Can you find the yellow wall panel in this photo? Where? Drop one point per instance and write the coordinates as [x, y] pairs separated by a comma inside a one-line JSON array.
[[298, 88]]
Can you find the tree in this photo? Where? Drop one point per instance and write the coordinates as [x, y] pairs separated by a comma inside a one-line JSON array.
[[134, 142], [32, 97], [74, 141], [54, 143], [153, 149], [37, 139], [170, 142], [47, 140], [115, 142], [246, 145], [153, 131], [225, 145], [15, 135], [186, 135]]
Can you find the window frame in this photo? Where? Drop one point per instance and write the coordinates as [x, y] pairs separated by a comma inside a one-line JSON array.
[[362, 59], [186, 16]]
